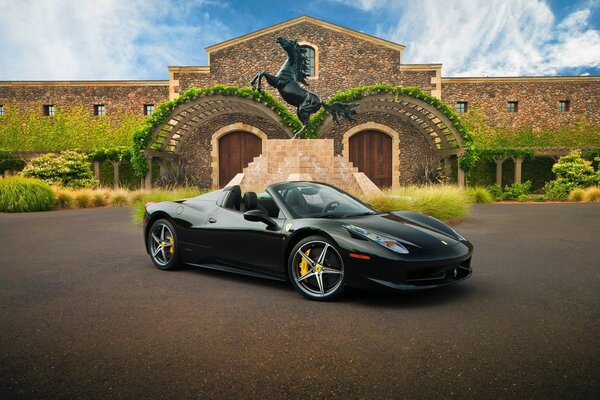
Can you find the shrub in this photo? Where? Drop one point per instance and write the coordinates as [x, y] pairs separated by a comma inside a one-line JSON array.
[[515, 190], [523, 198], [592, 195], [178, 174], [575, 169], [576, 194], [9, 162], [496, 192], [558, 189], [480, 195], [18, 194], [69, 169], [428, 171], [572, 171]]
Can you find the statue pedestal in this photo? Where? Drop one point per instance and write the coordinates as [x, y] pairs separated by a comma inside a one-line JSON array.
[[303, 160]]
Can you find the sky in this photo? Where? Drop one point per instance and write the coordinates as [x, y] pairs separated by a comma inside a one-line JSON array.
[[138, 39]]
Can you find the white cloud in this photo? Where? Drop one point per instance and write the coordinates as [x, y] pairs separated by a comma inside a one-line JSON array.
[[108, 39], [488, 37]]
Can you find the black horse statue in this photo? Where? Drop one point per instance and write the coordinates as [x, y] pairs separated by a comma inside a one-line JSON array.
[[293, 72]]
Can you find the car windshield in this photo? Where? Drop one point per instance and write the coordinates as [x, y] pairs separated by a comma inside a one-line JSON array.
[[315, 200]]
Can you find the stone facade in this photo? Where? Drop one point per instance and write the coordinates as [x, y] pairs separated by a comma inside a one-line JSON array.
[[538, 100], [345, 59], [119, 97]]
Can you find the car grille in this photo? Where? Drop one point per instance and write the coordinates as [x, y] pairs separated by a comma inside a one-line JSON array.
[[439, 275]]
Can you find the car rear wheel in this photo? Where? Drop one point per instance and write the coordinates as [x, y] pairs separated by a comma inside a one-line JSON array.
[[316, 269], [162, 242]]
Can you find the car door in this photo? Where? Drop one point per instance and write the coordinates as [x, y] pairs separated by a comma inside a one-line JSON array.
[[245, 244]]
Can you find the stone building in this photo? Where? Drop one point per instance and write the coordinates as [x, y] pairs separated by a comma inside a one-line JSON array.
[[218, 137]]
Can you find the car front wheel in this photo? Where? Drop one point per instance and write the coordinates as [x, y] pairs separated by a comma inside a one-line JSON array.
[[162, 242], [316, 269]]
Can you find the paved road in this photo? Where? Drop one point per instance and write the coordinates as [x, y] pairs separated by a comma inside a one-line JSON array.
[[84, 314]]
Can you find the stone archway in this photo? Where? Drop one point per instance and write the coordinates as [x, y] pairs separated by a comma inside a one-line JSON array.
[[382, 161], [433, 128], [193, 129], [239, 134]]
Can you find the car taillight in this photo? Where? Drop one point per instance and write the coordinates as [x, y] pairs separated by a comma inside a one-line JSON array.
[[148, 204]]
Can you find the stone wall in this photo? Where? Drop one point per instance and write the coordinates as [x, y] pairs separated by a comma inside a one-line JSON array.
[[538, 100], [119, 97]]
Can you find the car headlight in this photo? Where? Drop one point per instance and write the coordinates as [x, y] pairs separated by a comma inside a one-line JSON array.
[[387, 242]]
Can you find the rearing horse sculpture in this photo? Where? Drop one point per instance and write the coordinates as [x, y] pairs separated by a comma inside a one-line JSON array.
[[293, 72]]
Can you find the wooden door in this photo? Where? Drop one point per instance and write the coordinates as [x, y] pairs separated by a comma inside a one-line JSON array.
[[371, 153], [236, 151]]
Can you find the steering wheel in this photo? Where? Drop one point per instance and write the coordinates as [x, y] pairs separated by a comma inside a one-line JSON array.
[[332, 206]]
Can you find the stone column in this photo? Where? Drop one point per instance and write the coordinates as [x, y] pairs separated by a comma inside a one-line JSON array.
[[97, 170], [117, 178], [499, 162], [461, 177], [148, 177], [518, 163], [162, 164]]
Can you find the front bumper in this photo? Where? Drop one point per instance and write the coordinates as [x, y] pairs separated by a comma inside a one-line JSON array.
[[406, 274]]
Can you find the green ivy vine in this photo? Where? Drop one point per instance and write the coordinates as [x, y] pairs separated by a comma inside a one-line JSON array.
[[117, 153]]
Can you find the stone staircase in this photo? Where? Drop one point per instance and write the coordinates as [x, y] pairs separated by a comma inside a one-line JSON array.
[[303, 159]]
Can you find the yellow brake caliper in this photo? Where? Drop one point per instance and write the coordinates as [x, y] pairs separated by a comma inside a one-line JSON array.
[[172, 248], [304, 264]]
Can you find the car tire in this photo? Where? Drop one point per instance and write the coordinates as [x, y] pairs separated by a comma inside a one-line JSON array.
[[316, 269], [163, 245]]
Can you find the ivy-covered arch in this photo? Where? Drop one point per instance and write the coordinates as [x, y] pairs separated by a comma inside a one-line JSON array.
[[442, 127], [173, 119]]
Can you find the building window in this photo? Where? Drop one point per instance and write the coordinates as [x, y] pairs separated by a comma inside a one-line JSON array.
[[461, 107], [99, 110], [148, 109], [1, 110], [512, 106], [48, 110], [564, 105], [310, 55]]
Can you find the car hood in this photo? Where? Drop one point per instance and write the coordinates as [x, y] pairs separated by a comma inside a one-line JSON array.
[[408, 232]]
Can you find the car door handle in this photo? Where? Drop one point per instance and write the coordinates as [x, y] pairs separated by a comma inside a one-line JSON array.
[[212, 220]]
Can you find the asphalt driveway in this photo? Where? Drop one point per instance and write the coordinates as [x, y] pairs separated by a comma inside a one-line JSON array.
[[84, 314]]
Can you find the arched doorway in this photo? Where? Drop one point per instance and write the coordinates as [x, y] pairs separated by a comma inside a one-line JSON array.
[[371, 152], [236, 150]]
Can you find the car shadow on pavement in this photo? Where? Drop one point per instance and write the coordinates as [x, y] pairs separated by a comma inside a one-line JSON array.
[[377, 298], [456, 293]]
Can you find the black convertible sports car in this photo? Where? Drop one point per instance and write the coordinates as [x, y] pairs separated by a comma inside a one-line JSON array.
[[316, 236]]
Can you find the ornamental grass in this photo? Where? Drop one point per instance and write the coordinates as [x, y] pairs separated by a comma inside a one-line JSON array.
[[443, 202], [19, 194], [576, 195], [592, 195], [158, 195]]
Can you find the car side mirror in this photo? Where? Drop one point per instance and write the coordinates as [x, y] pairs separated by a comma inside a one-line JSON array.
[[260, 216]]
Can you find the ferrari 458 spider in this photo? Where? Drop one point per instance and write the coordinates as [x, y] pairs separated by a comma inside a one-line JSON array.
[[314, 235]]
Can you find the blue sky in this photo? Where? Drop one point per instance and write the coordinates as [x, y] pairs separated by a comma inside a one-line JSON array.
[[138, 39]]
